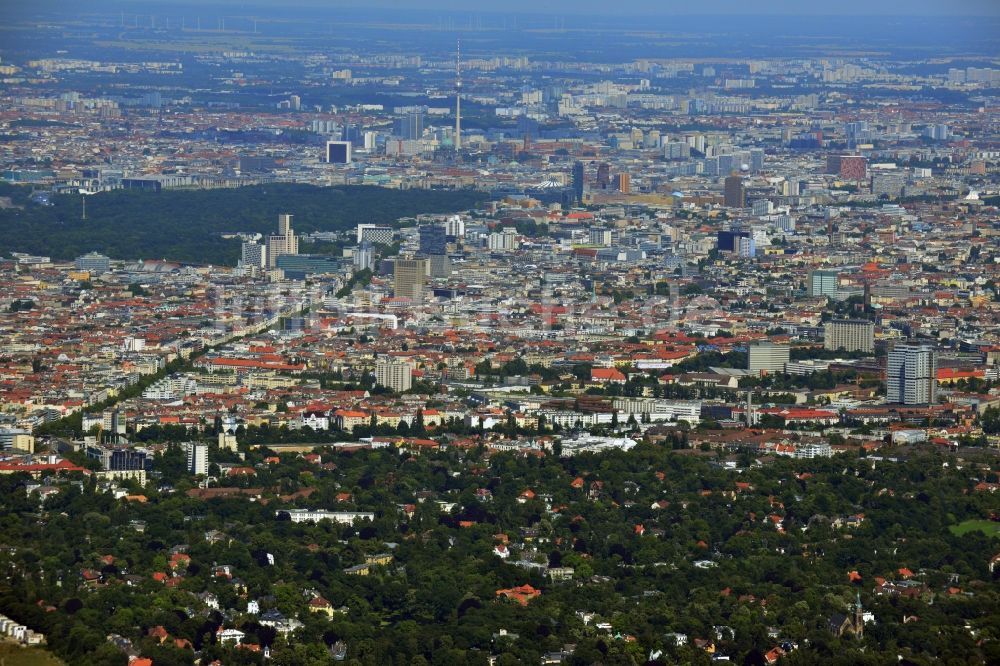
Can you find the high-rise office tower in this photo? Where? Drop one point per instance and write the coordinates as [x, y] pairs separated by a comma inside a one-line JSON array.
[[833, 164], [408, 278], [578, 181], [440, 265], [729, 240], [284, 242], [624, 183], [353, 134], [735, 194], [911, 375], [433, 239], [849, 335], [603, 176], [727, 163], [338, 152], [285, 225], [411, 126], [824, 283]]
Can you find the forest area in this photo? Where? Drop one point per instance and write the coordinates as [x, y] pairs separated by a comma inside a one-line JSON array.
[[187, 225]]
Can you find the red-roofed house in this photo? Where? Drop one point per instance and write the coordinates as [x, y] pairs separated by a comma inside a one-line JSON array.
[[607, 375], [521, 594]]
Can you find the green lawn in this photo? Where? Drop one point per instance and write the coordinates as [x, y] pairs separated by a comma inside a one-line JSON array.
[[15, 655], [988, 527]]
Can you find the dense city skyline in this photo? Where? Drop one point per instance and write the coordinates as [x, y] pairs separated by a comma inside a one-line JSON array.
[[557, 333]]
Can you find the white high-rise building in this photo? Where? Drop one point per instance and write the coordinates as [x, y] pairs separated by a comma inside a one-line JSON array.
[[394, 374], [363, 256], [455, 227], [197, 458], [503, 242], [253, 255], [911, 375]]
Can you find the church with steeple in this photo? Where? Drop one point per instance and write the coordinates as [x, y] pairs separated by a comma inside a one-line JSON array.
[[854, 624]]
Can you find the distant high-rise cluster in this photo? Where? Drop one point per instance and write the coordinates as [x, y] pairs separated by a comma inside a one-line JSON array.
[[410, 127], [258, 257]]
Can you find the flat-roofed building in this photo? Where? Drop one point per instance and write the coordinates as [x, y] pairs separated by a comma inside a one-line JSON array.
[[849, 335], [766, 357], [409, 277], [394, 373]]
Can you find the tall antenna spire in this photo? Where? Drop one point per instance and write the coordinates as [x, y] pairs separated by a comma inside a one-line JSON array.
[[458, 96]]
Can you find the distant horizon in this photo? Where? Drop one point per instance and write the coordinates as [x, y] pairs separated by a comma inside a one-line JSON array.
[[899, 9]]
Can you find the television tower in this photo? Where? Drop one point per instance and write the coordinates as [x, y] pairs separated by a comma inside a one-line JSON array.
[[458, 97]]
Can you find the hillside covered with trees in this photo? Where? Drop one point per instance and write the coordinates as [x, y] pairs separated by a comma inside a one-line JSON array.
[[647, 556]]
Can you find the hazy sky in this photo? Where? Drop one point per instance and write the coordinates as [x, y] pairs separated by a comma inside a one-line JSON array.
[[794, 7], [900, 8]]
